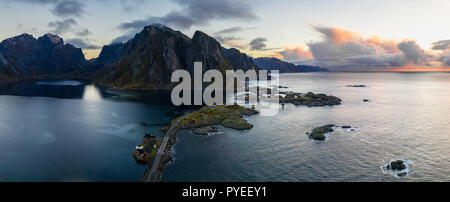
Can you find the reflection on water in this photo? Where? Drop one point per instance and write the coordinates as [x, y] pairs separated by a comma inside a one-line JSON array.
[[46, 138], [92, 93], [60, 83]]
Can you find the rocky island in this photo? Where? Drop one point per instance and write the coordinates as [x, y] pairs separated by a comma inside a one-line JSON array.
[[309, 99], [397, 167], [230, 116], [319, 132], [156, 152], [147, 149]]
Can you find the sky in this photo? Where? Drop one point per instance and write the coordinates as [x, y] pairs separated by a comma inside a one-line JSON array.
[[344, 35]]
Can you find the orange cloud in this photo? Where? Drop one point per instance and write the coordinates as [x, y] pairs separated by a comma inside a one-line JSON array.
[[337, 35], [293, 54], [387, 46]]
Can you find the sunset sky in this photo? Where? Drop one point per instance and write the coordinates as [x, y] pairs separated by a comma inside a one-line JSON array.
[[340, 35]]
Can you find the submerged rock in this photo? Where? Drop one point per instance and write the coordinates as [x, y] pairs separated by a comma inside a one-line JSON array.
[[319, 133]]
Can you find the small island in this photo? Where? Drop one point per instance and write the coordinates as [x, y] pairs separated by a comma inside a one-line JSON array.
[[147, 149], [319, 132], [309, 99], [397, 168], [230, 116], [155, 152]]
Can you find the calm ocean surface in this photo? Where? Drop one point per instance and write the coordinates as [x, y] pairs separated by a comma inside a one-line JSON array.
[[408, 118], [66, 131]]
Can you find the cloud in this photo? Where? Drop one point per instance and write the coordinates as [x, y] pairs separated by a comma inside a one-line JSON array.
[[122, 39], [196, 13], [235, 44], [446, 61], [60, 27], [68, 9], [341, 48], [224, 39], [441, 45], [83, 44], [258, 43], [61, 8], [293, 54], [39, 1], [229, 30], [84, 32]]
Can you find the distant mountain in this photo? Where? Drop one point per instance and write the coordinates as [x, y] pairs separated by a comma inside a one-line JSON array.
[[45, 56], [284, 67], [145, 62], [109, 55], [239, 60], [148, 60]]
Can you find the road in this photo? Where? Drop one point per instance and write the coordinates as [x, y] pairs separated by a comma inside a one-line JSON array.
[[156, 163]]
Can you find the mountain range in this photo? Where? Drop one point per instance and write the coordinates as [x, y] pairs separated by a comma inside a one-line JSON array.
[[285, 67], [144, 62]]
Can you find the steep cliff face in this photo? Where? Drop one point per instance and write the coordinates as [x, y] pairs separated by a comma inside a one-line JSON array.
[[239, 60], [110, 54], [47, 55], [8, 70], [149, 59]]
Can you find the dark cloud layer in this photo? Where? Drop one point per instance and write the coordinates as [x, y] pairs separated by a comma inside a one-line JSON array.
[[258, 43], [229, 30], [62, 26], [196, 12], [83, 44], [84, 33], [441, 45], [68, 9]]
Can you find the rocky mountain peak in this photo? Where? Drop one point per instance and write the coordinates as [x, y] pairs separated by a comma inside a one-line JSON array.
[[51, 38]]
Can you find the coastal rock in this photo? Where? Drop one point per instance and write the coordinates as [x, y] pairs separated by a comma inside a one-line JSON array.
[[397, 165], [397, 168], [205, 130], [309, 99], [319, 133], [248, 111], [215, 115], [237, 123]]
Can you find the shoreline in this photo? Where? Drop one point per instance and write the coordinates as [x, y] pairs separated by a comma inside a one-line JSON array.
[[229, 116]]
